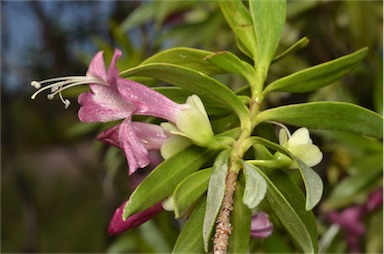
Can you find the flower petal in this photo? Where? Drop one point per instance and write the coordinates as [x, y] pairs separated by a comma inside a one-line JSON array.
[[151, 135], [118, 225], [148, 101], [110, 136], [97, 67], [135, 152], [113, 72], [300, 136], [103, 104], [308, 153]]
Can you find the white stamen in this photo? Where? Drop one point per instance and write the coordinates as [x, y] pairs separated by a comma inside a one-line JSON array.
[[62, 83], [36, 84]]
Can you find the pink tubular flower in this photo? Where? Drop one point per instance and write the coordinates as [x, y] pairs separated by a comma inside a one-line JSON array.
[[114, 98], [120, 99], [118, 225]]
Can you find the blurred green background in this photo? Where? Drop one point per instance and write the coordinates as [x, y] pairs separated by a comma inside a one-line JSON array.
[[60, 187]]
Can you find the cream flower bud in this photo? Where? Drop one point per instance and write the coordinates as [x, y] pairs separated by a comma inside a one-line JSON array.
[[299, 144], [192, 122]]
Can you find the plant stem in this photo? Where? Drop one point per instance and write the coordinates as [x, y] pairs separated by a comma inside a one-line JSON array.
[[223, 224]]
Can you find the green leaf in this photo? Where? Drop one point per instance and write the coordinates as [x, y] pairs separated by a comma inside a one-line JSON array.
[[255, 187], [215, 195], [241, 217], [318, 76], [298, 45], [328, 116], [190, 239], [195, 82], [286, 201], [190, 190], [187, 57], [231, 63], [312, 181], [162, 181], [241, 24], [268, 21]]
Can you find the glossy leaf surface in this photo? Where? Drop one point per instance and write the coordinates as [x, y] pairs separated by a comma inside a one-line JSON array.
[[240, 21], [286, 201], [268, 21], [328, 116], [187, 57], [190, 239], [241, 223], [231, 63], [318, 76], [190, 190]]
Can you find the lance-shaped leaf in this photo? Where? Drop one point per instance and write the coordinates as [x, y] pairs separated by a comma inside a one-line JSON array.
[[241, 24], [286, 201], [190, 239], [312, 181], [190, 190], [255, 187], [162, 181], [215, 195], [328, 116], [298, 45], [241, 223], [231, 63], [187, 57], [318, 76], [195, 82], [268, 21]]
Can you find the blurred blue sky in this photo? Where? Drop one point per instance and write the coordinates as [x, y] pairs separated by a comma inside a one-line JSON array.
[[21, 32]]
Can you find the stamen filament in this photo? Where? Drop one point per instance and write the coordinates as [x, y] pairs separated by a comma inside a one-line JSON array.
[[62, 83]]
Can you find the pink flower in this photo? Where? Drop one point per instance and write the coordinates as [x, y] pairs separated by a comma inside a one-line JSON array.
[[118, 225], [113, 98], [120, 99], [261, 227], [136, 139]]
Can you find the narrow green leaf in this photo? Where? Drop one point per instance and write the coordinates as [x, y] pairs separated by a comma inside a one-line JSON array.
[[162, 181], [298, 45], [190, 239], [286, 201], [255, 187], [231, 63], [187, 57], [215, 195], [241, 217], [190, 190], [313, 184], [195, 82], [328, 116], [268, 21], [241, 24], [318, 76], [312, 181]]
